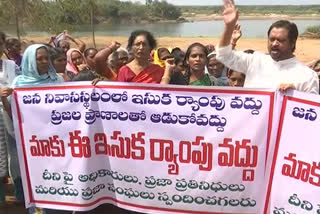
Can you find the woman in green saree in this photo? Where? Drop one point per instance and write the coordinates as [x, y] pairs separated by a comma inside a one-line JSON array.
[[195, 62]]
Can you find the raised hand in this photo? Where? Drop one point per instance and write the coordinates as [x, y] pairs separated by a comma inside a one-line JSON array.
[[114, 46], [210, 48], [65, 32], [67, 35], [6, 92], [230, 13], [170, 65], [236, 34]]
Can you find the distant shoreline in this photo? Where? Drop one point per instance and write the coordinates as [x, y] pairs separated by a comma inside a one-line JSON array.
[[213, 17], [307, 49]]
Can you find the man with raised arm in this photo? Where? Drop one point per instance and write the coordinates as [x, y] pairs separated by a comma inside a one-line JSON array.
[[279, 69]]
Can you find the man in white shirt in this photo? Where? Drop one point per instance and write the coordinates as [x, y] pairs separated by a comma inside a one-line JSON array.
[[278, 69]]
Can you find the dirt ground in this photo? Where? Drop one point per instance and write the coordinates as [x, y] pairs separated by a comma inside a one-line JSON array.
[[306, 50], [11, 206]]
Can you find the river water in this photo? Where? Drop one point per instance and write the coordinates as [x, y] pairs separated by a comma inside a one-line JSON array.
[[250, 28]]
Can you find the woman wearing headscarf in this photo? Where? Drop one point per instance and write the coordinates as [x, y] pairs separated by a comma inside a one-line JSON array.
[[76, 62], [217, 71], [36, 69], [160, 56], [77, 65]]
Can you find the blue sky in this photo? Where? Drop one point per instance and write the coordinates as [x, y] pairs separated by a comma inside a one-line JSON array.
[[241, 2]]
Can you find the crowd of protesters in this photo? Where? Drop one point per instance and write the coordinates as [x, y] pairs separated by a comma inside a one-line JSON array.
[[217, 65]]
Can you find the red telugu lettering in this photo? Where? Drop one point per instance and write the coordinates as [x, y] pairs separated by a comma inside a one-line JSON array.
[[47, 148], [80, 146]]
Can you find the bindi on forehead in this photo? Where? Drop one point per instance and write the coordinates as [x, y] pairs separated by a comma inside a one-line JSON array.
[[141, 40]]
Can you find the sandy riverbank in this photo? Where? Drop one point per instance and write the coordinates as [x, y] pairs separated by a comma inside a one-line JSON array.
[[307, 49]]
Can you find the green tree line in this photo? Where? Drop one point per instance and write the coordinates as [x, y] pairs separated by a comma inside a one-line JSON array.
[[56, 15]]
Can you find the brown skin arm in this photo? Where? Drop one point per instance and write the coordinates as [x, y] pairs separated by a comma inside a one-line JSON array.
[[236, 35], [5, 92], [168, 71], [52, 38], [98, 79], [80, 44], [230, 17], [101, 59]]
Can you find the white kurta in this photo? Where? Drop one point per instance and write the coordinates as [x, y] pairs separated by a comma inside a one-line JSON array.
[[263, 72], [7, 74]]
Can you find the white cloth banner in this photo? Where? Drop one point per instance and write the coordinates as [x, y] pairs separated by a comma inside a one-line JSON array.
[[295, 173], [145, 148]]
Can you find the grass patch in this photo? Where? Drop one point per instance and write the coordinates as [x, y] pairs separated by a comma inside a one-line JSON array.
[[312, 32]]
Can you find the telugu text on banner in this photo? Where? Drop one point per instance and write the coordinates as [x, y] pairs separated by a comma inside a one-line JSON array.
[[295, 173], [144, 148]]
